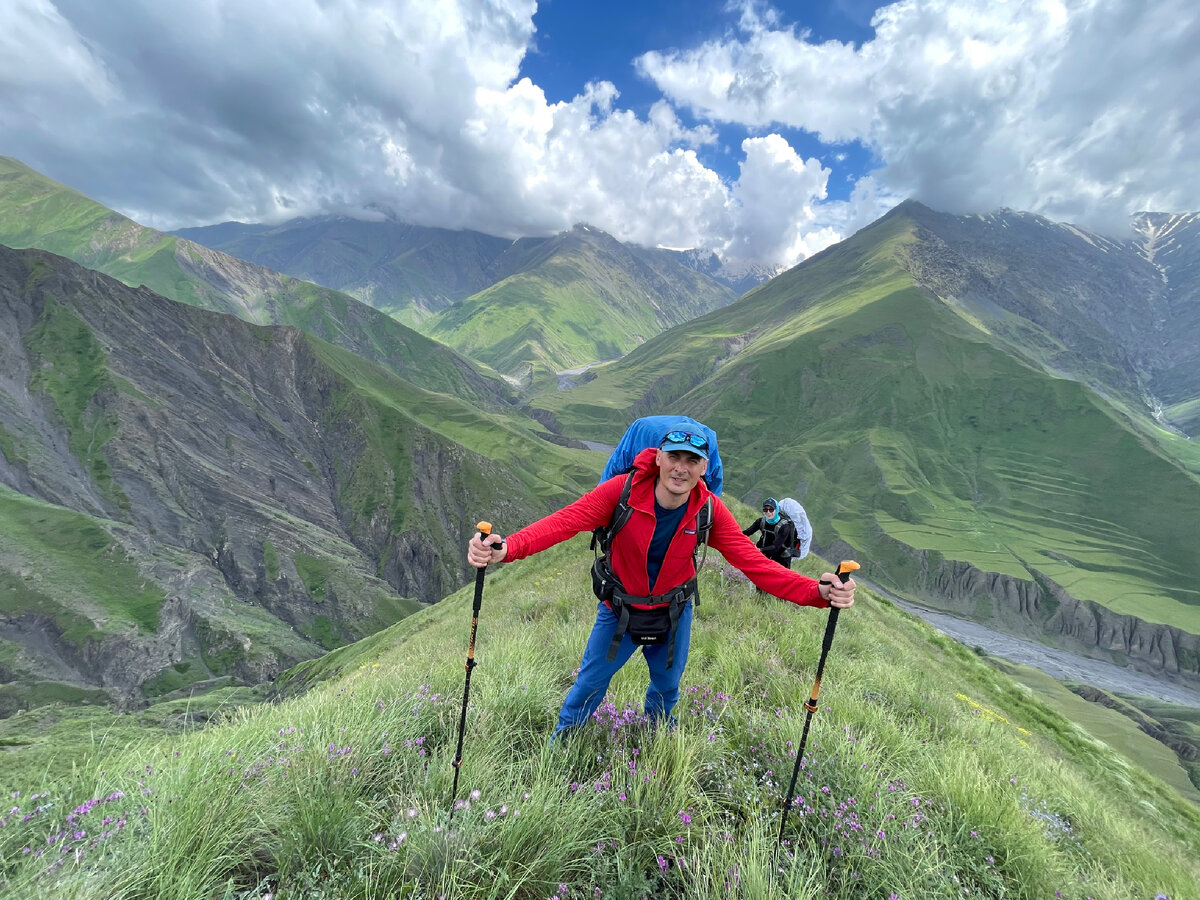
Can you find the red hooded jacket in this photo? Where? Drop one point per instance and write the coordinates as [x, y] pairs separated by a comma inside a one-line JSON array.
[[632, 543]]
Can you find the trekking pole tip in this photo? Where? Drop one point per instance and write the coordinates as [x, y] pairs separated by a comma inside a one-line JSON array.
[[485, 528]]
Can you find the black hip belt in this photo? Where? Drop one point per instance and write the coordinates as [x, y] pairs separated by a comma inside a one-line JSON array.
[[679, 595], [649, 621]]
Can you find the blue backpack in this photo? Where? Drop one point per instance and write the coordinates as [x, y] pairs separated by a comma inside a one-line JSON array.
[[648, 431]]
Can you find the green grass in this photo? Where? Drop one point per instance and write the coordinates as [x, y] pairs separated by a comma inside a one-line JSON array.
[[270, 561], [1186, 413], [528, 319], [16, 696], [8, 448], [52, 554], [927, 771], [571, 302], [47, 744], [70, 366], [314, 573], [1110, 726]]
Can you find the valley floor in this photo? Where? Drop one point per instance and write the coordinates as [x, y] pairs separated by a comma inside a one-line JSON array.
[[1059, 664]]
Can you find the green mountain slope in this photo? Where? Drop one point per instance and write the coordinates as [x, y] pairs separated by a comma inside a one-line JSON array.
[[185, 496], [575, 299], [406, 271], [36, 212], [927, 773], [429, 278], [965, 477]]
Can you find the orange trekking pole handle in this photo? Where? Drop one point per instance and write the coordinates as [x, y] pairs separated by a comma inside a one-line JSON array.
[[843, 572], [485, 529]]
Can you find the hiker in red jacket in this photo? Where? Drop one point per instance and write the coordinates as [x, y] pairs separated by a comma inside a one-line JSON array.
[[653, 560]]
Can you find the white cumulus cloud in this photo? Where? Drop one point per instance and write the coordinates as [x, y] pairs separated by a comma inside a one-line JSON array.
[[1083, 110], [180, 114], [190, 113]]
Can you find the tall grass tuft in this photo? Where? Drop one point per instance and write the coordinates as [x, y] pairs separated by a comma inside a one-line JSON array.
[[927, 774]]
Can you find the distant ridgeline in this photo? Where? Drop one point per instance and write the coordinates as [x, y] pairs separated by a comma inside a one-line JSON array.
[[526, 308]]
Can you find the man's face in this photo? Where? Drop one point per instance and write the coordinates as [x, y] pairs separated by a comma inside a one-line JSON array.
[[678, 470]]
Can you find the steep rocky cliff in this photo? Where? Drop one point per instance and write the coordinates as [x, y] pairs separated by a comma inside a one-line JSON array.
[[265, 496]]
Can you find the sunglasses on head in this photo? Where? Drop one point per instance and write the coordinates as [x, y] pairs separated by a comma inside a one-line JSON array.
[[699, 441]]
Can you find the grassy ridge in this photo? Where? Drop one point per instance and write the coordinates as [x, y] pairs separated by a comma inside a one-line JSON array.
[[927, 772], [52, 552], [38, 212], [69, 366], [1113, 727], [906, 431], [574, 299], [544, 318]]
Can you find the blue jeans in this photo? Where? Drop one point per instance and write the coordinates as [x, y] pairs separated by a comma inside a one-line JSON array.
[[596, 671]]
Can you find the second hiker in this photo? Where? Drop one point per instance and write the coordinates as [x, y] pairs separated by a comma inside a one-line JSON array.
[[653, 562], [778, 533]]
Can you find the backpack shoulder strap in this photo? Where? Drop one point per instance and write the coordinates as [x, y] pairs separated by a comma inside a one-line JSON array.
[[602, 537], [704, 523]]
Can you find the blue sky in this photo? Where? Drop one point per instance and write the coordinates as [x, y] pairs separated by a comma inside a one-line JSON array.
[[581, 42], [761, 131]]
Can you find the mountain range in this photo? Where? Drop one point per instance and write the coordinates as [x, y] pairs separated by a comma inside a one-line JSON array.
[[967, 405], [525, 307], [260, 495], [992, 413]]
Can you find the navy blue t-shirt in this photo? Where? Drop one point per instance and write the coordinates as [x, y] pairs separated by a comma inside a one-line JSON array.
[[666, 523]]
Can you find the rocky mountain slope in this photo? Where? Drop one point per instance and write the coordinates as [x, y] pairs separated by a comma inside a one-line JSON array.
[[1120, 316], [185, 496], [36, 212], [1171, 243], [407, 271]]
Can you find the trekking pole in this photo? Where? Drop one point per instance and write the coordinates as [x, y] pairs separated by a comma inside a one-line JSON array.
[[485, 529], [844, 569]]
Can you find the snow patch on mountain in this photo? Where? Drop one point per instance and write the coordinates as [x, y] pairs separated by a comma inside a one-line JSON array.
[[741, 276]]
